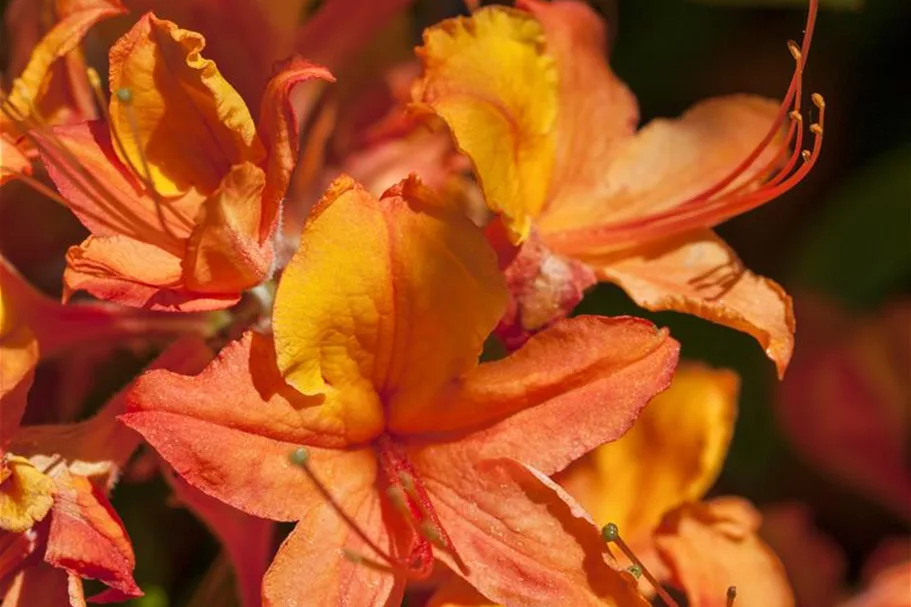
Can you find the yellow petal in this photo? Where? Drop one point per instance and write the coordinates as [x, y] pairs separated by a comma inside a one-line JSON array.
[[18, 350], [383, 303], [224, 254], [181, 114], [673, 454], [25, 494], [488, 76], [456, 592], [699, 275]]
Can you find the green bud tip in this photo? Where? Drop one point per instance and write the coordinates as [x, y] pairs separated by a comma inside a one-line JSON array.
[[300, 456], [635, 571], [124, 95], [610, 533]]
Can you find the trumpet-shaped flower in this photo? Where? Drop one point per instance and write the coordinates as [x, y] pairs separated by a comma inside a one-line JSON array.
[[52, 88], [56, 524], [551, 132], [410, 450], [180, 189]]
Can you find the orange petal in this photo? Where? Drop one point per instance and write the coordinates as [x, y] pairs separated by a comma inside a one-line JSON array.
[[135, 274], [87, 538], [522, 540], [106, 198], [667, 162], [244, 373], [25, 494], [597, 112], [183, 116], [421, 290], [246, 539], [698, 274], [27, 90], [845, 403], [673, 454], [589, 375], [712, 546], [224, 254], [815, 563], [279, 128], [314, 550], [491, 80]]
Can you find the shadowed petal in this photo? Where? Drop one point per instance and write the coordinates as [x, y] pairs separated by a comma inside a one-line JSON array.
[[191, 125], [699, 275], [313, 551], [523, 541]]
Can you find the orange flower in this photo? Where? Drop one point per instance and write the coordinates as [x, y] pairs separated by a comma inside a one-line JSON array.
[[180, 190], [51, 88], [56, 524], [413, 450], [550, 130]]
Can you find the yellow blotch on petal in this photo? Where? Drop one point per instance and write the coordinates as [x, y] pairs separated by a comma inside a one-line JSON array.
[[672, 455], [491, 80], [173, 107], [384, 302], [26, 495]]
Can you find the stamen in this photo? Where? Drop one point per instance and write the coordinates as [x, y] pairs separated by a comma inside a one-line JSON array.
[[300, 458], [611, 535], [725, 199], [732, 594], [635, 571]]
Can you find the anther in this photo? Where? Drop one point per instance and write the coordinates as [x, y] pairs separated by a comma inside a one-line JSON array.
[[300, 457], [795, 50], [818, 101], [732, 594], [806, 155], [611, 534], [635, 571], [795, 115], [816, 128]]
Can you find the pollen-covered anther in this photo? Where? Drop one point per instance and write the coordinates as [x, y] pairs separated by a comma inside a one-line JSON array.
[[611, 534], [795, 50]]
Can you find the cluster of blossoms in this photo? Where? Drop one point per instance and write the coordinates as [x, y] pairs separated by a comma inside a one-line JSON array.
[[326, 276]]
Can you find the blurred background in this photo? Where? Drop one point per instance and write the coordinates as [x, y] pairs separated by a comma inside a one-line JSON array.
[[830, 443]]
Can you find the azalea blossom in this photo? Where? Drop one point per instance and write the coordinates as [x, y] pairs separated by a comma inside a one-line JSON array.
[[551, 132], [180, 189], [412, 451]]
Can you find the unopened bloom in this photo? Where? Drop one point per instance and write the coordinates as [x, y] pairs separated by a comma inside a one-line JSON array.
[[551, 132], [413, 451]]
